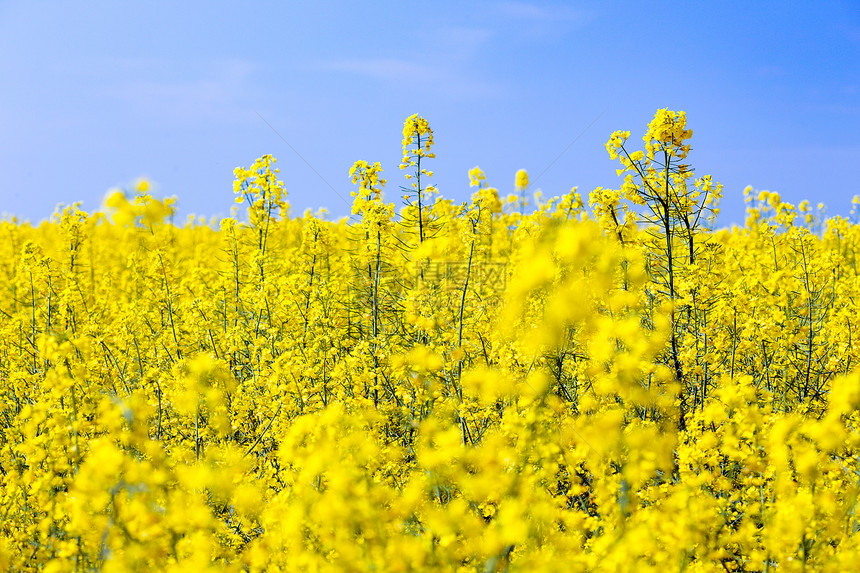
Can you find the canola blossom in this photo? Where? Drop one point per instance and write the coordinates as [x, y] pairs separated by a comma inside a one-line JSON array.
[[605, 383]]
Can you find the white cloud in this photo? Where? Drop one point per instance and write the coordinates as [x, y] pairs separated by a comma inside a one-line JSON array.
[[456, 43], [380, 68], [453, 80], [541, 12], [212, 91]]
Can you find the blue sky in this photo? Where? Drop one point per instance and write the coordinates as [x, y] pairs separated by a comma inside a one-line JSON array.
[[97, 94]]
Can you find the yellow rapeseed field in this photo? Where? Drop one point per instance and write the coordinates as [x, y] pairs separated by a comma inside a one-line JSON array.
[[610, 386]]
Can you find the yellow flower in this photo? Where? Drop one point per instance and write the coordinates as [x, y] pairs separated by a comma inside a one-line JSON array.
[[522, 179], [476, 177]]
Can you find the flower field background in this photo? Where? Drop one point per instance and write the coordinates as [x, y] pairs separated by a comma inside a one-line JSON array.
[[610, 386]]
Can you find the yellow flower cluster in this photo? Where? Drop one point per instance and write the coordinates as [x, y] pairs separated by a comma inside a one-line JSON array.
[[145, 210], [368, 203], [260, 187], [417, 132], [448, 388]]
